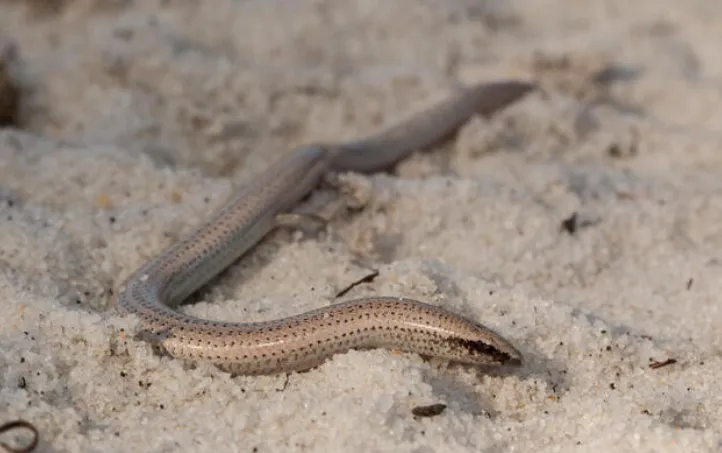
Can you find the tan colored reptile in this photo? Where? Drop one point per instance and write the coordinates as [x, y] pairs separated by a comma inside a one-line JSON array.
[[304, 341]]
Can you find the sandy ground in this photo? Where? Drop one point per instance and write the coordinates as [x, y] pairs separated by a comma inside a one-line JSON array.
[[584, 223]]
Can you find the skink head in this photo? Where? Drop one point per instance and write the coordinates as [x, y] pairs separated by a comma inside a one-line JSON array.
[[475, 344]]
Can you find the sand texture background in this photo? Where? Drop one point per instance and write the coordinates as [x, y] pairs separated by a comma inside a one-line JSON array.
[[135, 120]]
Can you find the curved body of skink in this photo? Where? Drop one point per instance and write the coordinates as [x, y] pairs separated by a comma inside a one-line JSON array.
[[304, 341]]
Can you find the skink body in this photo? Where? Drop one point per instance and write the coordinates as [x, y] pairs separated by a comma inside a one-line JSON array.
[[304, 341]]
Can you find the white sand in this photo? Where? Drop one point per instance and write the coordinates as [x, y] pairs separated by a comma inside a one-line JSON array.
[[137, 122]]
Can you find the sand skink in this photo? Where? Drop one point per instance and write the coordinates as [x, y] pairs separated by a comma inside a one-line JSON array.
[[306, 340]]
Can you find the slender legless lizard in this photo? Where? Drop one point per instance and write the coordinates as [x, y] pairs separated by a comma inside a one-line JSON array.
[[306, 340]]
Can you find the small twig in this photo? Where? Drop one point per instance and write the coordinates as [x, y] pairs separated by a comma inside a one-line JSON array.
[[368, 278], [655, 365]]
